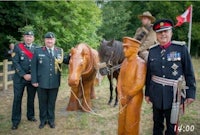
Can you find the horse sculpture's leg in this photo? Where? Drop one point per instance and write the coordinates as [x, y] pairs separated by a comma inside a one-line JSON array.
[[111, 90], [92, 95], [73, 102], [86, 102]]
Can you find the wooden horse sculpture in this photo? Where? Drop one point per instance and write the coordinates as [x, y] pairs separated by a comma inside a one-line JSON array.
[[82, 73]]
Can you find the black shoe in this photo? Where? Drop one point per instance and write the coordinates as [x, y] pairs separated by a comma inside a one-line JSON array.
[[51, 125], [42, 125], [14, 126], [32, 120]]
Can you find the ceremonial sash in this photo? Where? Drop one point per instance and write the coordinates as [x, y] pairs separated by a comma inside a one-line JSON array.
[[27, 52]]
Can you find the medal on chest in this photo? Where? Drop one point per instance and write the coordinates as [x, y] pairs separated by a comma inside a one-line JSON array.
[[174, 56], [40, 61]]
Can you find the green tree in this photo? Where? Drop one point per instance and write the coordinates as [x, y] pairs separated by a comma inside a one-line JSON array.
[[72, 22], [116, 18], [11, 18]]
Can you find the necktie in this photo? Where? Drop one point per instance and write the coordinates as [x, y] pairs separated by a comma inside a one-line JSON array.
[[29, 47], [163, 52], [50, 53]]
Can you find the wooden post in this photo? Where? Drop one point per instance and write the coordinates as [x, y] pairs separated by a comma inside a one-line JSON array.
[[5, 74]]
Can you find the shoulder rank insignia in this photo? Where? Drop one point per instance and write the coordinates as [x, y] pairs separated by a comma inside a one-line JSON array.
[[179, 42], [153, 46], [38, 47]]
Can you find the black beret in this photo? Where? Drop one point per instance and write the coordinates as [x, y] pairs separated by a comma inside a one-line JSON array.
[[49, 35], [29, 33]]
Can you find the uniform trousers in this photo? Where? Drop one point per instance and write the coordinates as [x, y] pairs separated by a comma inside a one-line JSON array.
[[47, 100], [158, 118], [17, 102]]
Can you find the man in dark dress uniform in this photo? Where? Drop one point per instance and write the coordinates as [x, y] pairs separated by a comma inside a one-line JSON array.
[[21, 57], [167, 61], [46, 72]]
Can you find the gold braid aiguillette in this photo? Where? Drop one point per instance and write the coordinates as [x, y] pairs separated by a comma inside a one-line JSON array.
[[58, 62]]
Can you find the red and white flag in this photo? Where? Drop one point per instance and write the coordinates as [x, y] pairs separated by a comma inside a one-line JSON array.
[[185, 17]]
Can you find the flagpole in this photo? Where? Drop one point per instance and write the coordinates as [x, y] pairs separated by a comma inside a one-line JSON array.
[[190, 30]]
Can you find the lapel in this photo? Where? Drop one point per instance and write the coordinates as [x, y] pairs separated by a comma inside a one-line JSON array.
[[32, 48], [46, 52], [55, 51]]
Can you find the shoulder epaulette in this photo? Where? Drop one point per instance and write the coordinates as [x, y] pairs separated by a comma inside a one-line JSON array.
[[37, 47], [179, 42], [153, 46], [58, 48]]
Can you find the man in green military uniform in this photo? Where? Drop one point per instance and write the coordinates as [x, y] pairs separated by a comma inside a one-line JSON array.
[[145, 34], [21, 57], [46, 74]]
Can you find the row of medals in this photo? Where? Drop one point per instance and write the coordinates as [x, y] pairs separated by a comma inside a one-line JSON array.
[[174, 56]]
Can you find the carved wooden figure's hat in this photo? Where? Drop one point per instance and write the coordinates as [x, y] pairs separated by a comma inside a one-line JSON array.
[[127, 41]]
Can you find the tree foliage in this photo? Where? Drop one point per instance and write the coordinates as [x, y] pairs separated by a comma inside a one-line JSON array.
[[116, 18], [72, 21]]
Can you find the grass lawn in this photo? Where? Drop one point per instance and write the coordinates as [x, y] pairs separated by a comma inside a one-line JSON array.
[[79, 123]]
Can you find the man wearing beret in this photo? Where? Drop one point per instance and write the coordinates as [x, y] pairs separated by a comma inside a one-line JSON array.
[[46, 72], [21, 57], [168, 61], [145, 34]]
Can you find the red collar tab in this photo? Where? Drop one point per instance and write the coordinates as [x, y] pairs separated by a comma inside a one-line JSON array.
[[166, 45], [43, 48]]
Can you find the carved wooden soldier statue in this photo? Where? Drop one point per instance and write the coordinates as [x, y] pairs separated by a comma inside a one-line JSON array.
[[130, 83]]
